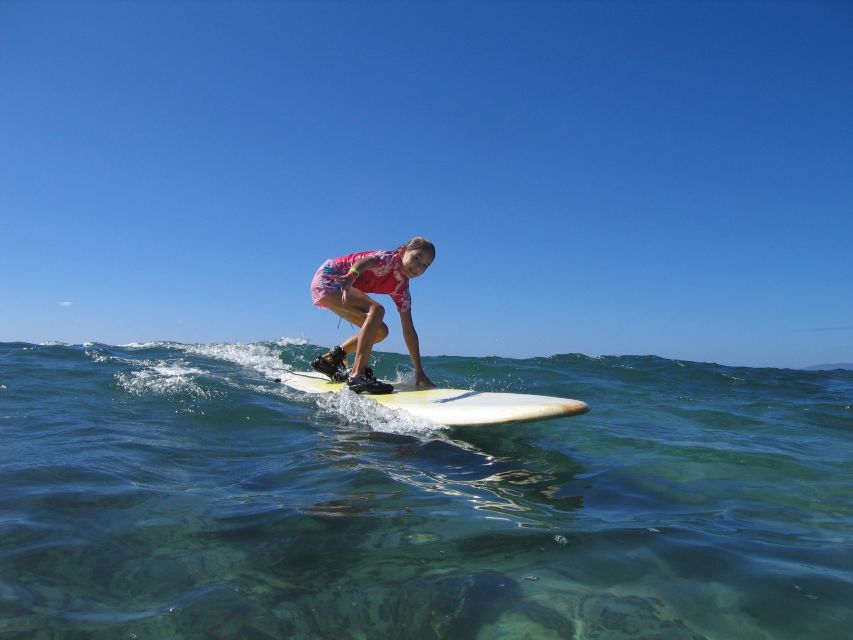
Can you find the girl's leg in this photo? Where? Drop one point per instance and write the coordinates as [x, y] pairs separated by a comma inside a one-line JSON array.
[[364, 311]]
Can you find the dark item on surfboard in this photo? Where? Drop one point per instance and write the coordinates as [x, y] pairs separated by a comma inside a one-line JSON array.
[[367, 383], [333, 368]]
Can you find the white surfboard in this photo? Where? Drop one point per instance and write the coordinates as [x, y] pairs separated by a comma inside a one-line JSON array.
[[452, 407]]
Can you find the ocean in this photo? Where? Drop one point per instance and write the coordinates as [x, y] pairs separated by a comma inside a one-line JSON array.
[[165, 490]]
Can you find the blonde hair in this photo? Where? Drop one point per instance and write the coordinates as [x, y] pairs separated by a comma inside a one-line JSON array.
[[418, 242]]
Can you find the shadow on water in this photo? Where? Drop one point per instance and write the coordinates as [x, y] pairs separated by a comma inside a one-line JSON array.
[[400, 556], [498, 472]]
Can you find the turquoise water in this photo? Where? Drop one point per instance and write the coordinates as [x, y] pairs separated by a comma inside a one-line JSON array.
[[176, 491]]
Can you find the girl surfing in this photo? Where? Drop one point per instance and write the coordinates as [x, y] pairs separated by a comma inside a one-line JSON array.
[[342, 284]]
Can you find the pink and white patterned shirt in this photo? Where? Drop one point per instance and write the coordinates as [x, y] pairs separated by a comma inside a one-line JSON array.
[[385, 276]]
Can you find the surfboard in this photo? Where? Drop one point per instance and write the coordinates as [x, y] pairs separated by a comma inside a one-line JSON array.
[[452, 407]]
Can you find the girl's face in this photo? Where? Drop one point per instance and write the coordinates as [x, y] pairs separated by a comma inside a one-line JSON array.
[[415, 262]]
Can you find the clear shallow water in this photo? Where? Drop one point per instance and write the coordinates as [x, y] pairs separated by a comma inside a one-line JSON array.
[[176, 491]]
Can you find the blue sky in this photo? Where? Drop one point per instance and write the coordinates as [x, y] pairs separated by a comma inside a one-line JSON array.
[[673, 178]]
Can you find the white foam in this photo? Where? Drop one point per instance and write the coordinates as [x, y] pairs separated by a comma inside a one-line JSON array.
[[163, 378], [361, 410], [259, 357], [405, 377], [156, 344], [98, 357], [172, 378]]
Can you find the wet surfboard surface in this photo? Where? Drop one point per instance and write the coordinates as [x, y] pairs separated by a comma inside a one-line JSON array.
[[452, 407]]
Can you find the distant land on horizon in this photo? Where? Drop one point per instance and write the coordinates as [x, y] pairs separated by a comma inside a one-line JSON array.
[[831, 367]]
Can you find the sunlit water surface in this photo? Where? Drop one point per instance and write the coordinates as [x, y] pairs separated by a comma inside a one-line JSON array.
[[177, 491]]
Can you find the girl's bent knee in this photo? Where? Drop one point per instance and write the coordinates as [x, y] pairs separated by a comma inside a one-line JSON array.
[[383, 332]]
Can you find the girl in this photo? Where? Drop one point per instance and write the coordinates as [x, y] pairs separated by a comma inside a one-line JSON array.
[[342, 285]]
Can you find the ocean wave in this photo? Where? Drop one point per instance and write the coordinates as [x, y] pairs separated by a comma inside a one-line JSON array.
[[259, 357], [154, 490], [164, 379]]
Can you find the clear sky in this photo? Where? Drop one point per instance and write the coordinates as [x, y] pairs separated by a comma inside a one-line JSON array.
[[669, 178]]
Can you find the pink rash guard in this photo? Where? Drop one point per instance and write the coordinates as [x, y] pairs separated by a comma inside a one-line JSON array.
[[385, 276]]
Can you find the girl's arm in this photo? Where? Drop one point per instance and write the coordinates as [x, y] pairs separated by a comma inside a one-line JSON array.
[[413, 344], [347, 280]]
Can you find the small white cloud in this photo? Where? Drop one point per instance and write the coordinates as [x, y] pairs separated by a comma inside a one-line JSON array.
[[65, 303]]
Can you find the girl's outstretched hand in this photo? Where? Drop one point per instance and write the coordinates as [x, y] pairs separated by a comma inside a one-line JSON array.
[[421, 380]]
